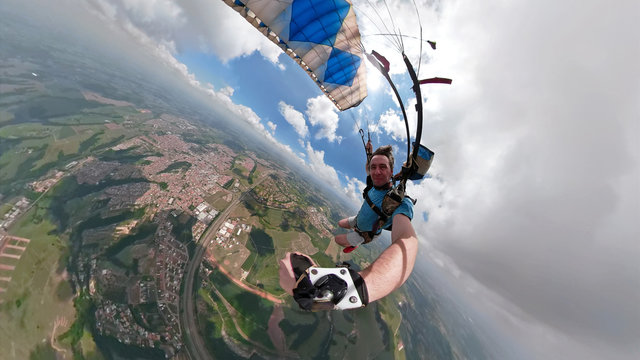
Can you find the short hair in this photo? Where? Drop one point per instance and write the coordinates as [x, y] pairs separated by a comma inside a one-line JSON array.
[[385, 150]]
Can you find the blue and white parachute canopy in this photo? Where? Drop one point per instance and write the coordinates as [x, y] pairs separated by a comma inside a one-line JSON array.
[[320, 35]]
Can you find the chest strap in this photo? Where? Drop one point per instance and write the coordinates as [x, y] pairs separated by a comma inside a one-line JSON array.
[[382, 217]]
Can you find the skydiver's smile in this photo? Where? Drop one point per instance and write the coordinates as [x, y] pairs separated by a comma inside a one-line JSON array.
[[380, 170]]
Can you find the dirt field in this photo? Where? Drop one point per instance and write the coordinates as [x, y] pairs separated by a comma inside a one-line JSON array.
[[244, 285]]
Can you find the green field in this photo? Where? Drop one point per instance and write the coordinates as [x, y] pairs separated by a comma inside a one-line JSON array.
[[263, 272], [392, 316], [97, 115], [216, 200], [5, 116], [5, 208], [240, 172], [37, 294], [211, 321], [249, 315], [29, 149], [253, 311], [178, 167]]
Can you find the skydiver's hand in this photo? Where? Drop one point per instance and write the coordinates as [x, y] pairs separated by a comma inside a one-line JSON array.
[[369, 147], [287, 276]]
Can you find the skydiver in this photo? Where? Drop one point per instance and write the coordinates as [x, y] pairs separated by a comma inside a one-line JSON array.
[[316, 288], [369, 223]]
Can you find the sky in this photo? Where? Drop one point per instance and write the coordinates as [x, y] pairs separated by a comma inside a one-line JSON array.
[[534, 196]]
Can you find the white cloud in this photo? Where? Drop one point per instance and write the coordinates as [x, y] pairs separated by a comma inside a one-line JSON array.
[[392, 124], [315, 161], [535, 190], [205, 26], [323, 113], [154, 11], [247, 114], [353, 190], [242, 111], [227, 91], [295, 118], [271, 126], [392, 96]]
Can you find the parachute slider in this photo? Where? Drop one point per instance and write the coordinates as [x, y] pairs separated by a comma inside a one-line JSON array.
[[436, 80]]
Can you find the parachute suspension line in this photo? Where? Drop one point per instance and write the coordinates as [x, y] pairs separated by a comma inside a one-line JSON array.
[[404, 36], [386, 5], [377, 125], [421, 39], [392, 38], [354, 121], [363, 144], [365, 115], [366, 118], [375, 128], [361, 132], [382, 64]]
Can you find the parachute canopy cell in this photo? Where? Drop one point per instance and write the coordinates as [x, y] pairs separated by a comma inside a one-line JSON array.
[[322, 36]]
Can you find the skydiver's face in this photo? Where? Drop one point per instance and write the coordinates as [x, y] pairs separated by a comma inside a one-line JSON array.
[[380, 170]]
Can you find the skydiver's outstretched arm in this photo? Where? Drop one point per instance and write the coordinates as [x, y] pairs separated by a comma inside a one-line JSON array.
[[393, 267], [387, 273]]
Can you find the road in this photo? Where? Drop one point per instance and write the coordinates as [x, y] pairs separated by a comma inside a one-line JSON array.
[[193, 340]]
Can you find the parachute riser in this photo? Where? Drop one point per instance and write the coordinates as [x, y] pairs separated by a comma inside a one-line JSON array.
[[395, 196], [364, 145], [411, 165], [418, 92], [381, 63]]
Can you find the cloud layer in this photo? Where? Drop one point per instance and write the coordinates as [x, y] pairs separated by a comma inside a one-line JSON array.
[[536, 173], [191, 25]]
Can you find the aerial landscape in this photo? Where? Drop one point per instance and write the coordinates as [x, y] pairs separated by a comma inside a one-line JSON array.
[[129, 230], [156, 166]]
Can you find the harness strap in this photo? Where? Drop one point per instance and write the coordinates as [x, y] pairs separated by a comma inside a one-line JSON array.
[[375, 208], [366, 235], [382, 217]]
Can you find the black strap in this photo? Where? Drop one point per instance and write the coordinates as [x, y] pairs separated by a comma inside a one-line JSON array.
[[376, 209], [358, 281], [304, 292], [300, 264], [382, 217], [365, 195]]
